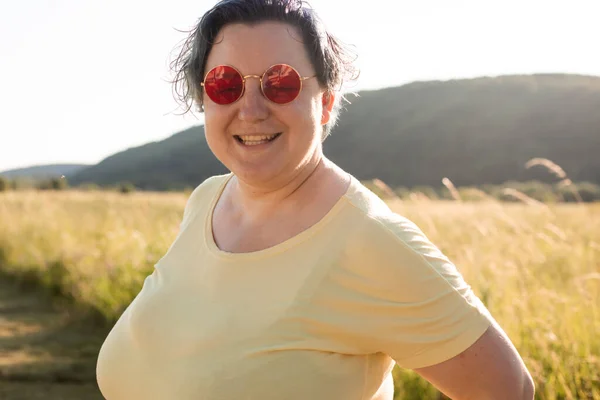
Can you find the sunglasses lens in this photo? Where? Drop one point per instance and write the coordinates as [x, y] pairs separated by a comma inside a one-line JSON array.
[[281, 84], [223, 85]]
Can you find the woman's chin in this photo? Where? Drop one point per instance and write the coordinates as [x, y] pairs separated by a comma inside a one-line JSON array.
[[257, 173]]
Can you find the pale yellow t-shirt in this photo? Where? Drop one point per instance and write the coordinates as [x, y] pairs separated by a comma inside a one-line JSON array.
[[321, 316]]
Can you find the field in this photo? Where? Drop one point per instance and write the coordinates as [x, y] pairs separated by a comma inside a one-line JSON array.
[[536, 267]]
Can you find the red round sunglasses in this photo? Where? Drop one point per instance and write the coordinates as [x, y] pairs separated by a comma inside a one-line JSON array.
[[280, 83]]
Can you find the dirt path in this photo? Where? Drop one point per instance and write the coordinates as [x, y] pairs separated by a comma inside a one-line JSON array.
[[45, 352]]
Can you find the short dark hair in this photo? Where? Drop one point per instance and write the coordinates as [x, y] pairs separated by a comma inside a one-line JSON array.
[[332, 60]]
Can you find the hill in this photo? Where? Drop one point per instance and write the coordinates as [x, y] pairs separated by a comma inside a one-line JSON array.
[[473, 131], [43, 171], [180, 161]]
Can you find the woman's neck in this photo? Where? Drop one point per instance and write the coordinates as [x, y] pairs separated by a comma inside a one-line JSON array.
[[256, 202]]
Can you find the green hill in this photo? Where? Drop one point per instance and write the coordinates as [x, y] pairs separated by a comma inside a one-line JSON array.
[[473, 131]]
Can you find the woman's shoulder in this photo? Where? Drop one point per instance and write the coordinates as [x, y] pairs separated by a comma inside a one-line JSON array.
[[204, 192], [378, 219], [210, 184], [392, 259], [384, 239]]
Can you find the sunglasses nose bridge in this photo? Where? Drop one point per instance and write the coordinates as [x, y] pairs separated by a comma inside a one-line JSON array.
[[251, 76], [245, 77], [259, 77], [252, 102]]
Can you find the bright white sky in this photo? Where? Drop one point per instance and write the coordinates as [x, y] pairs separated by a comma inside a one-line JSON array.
[[81, 79]]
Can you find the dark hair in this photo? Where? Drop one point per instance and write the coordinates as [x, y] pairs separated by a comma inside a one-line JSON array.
[[332, 60]]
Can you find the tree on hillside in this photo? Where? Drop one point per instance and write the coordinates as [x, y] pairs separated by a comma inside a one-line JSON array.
[[54, 184]]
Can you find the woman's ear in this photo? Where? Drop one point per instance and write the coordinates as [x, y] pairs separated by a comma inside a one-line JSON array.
[[328, 99]]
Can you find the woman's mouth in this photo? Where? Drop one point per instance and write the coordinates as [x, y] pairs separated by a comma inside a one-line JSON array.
[[253, 140]]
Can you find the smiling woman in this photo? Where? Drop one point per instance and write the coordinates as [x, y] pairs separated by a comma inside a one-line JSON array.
[[289, 279]]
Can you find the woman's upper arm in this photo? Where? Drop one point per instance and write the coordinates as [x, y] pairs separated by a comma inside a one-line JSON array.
[[491, 368], [415, 306]]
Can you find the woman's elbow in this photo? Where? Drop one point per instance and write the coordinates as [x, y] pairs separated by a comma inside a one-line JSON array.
[[518, 389], [528, 392], [522, 389]]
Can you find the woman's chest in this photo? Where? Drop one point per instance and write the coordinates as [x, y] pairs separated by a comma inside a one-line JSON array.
[[194, 317], [232, 232], [194, 304], [212, 331], [233, 235]]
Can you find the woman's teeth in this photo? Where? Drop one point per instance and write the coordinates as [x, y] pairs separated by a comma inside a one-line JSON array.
[[253, 140]]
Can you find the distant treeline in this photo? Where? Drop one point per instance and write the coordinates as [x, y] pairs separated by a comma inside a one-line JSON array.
[[56, 183], [509, 191]]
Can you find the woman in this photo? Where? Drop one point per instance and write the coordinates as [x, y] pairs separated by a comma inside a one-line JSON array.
[[288, 278]]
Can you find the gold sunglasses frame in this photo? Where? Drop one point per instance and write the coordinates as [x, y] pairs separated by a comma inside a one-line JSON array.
[[260, 77]]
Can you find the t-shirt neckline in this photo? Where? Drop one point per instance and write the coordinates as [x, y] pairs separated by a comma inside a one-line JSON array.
[[278, 248]]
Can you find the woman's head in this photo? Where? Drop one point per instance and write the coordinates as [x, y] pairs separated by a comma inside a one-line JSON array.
[[332, 63], [263, 142]]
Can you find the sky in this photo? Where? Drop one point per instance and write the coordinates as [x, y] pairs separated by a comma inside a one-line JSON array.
[[81, 80]]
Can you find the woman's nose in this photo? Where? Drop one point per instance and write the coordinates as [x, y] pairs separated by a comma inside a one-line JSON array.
[[253, 105]]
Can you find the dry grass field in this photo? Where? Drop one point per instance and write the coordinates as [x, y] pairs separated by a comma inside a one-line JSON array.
[[536, 267]]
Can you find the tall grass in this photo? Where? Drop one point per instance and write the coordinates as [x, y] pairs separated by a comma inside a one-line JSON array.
[[537, 268], [538, 271], [94, 248]]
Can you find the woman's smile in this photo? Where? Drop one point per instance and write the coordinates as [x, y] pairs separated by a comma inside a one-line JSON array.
[[256, 140]]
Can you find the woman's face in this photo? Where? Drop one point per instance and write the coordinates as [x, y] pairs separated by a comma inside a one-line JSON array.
[[251, 50]]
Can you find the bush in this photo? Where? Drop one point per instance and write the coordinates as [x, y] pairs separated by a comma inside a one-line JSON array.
[[59, 183], [584, 191], [89, 187], [126, 187], [53, 184], [536, 190], [20, 183], [402, 192], [5, 184], [588, 191]]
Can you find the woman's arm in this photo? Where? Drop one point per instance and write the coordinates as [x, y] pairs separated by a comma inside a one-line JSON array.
[[490, 369]]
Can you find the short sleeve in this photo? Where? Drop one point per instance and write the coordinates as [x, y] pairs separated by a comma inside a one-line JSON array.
[[407, 299], [190, 205], [198, 197]]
